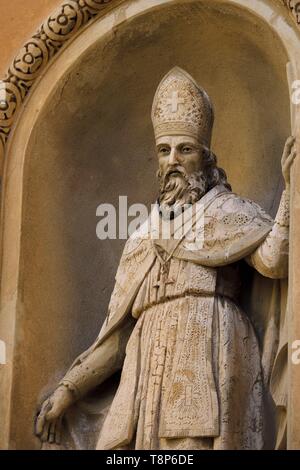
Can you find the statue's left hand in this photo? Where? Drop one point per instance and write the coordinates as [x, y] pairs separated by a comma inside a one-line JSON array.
[[48, 424], [288, 157]]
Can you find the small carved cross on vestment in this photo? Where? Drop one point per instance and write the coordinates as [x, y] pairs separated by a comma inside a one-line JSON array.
[[162, 282]]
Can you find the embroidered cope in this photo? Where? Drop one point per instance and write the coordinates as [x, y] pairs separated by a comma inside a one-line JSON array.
[[192, 375]]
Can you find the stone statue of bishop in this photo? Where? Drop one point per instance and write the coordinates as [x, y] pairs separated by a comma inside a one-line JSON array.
[[192, 370]]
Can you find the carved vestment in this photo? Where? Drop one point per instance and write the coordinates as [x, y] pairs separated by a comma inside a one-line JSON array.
[[192, 376]]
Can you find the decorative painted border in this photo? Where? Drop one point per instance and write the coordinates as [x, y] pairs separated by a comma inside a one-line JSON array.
[[54, 33]]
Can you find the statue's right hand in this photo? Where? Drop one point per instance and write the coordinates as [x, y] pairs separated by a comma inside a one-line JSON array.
[[48, 423]]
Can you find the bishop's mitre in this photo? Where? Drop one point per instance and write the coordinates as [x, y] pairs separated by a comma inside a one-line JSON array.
[[182, 107]]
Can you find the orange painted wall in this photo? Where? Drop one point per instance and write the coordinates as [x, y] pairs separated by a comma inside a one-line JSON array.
[[19, 19]]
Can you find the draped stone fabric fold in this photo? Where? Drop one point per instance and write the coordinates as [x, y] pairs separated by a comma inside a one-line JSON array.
[[192, 374]]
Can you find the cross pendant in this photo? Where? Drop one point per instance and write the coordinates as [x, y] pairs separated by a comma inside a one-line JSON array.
[[162, 283]]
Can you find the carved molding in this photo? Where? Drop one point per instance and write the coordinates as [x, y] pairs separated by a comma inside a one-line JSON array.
[[294, 8], [39, 50], [36, 53]]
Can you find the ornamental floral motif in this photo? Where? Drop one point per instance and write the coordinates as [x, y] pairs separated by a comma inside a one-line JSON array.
[[8, 103], [294, 6], [6, 107], [97, 4], [297, 12], [64, 21], [30, 59]]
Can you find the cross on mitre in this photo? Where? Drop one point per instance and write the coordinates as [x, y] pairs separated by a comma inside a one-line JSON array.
[[175, 101]]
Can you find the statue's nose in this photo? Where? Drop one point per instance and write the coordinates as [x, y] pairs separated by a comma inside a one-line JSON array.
[[173, 160]]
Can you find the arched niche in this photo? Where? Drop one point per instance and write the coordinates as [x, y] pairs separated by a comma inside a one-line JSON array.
[[85, 137]]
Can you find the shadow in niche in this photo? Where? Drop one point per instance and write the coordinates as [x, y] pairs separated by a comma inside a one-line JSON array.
[[255, 299]]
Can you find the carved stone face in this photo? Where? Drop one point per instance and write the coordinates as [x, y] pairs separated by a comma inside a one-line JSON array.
[[181, 176], [179, 151]]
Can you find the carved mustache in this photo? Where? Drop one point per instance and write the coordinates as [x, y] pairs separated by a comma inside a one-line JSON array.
[[174, 184], [175, 171]]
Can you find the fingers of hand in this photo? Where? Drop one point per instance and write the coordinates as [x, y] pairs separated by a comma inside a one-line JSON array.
[[288, 147], [290, 142], [289, 161], [40, 419], [54, 431], [48, 424], [39, 424], [52, 428], [45, 434], [58, 430], [54, 412]]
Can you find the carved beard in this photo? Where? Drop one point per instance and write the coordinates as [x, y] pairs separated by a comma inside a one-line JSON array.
[[178, 189]]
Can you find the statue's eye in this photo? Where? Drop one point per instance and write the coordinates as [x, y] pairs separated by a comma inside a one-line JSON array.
[[164, 150], [187, 149]]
